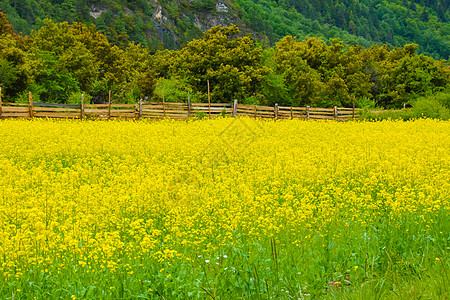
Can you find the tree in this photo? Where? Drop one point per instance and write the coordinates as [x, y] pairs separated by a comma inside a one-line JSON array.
[[5, 27], [405, 75], [74, 58], [147, 83], [55, 84], [322, 75], [16, 70], [231, 63]]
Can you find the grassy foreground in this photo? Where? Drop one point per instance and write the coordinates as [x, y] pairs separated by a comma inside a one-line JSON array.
[[224, 209]]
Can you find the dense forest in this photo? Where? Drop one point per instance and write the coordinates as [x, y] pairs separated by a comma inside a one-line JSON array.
[[60, 61], [173, 23], [395, 22]]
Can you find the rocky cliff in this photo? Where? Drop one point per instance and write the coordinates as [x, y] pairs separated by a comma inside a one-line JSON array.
[[168, 24]]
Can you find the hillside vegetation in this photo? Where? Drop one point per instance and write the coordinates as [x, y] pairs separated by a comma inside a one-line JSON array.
[[395, 22], [173, 23], [60, 61]]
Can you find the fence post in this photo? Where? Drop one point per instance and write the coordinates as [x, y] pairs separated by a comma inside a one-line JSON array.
[[276, 111], [189, 105], [354, 106], [292, 113], [209, 101], [1, 111], [140, 108], [235, 108], [255, 111], [82, 107], [335, 110], [109, 104], [164, 106], [30, 97], [307, 112]]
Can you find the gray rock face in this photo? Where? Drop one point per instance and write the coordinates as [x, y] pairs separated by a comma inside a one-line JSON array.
[[221, 7], [164, 24]]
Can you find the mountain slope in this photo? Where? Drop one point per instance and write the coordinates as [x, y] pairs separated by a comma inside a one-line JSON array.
[[394, 22]]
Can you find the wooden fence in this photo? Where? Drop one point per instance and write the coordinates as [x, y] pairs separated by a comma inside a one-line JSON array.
[[160, 110]]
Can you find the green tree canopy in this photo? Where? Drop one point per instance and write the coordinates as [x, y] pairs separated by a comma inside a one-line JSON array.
[[230, 62], [326, 75]]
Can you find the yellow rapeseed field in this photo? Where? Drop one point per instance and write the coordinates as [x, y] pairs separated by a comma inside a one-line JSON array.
[[218, 207]]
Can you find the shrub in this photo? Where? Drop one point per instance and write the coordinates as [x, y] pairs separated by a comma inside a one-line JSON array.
[[435, 107], [431, 107], [366, 103], [75, 98], [444, 98], [175, 90]]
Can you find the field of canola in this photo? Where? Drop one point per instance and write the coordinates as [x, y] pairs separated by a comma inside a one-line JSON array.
[[224, 209]]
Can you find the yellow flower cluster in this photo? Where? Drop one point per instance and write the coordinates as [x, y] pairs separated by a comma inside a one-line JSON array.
[[96, 196]]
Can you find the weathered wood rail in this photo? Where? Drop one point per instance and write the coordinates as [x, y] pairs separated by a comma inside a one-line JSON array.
[[161, 110]]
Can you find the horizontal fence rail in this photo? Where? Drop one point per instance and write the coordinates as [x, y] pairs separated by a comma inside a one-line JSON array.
[[161, 110]]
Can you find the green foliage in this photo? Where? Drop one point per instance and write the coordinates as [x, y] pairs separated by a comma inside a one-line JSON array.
[[75, 98], [8, 75], [407, 75], [251, 101], [23, 97], [203, 5], [5, 27], [56, 84], [230, 63], [423, 107], [443, 98], [356, 22], [366, 103], [16, 70], [100, 90], [274, 90], [321, 75], [174, 90], [430, 107], [318, 74], [200, 114], [60, 60], [392, 22], [147, 83], [273, 87]]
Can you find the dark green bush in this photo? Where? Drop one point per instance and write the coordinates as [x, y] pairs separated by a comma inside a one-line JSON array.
[[444, 98], [431, 107]]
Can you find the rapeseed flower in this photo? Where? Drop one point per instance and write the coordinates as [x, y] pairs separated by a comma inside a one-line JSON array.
[[117, 197]]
